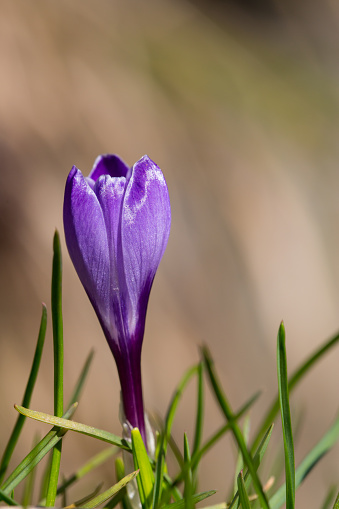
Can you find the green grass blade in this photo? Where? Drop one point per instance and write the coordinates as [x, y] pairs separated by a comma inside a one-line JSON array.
[[106, 495], [36, 455], [145, 479], [247, 405], [54, 475], [159, 468], [81, 380], [327, 504], [169, 491], [74, 398], [45, 479], [240, 461], [27, 395], [176, 451], [188, 479], [226, 409], [29, 484], [200, 410], [243, 497], [336, 503], [199, 422], [256, 460], [321, 448], [58, 351], [196, 457], [121, 496], [205, 448], [293, 381], [176, 398], [199, 497], [60, 422], [58, 347], [6, 498], [28, 489], [64, 495], [286, 418], [277, 469]]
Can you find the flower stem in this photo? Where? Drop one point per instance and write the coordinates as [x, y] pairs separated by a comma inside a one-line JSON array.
[[129, 370]]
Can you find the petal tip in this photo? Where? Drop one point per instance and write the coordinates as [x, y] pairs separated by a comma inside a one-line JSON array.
[[109, 164], [72, 174]]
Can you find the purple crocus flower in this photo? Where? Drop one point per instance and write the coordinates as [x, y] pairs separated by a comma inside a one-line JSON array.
[[117, 222]]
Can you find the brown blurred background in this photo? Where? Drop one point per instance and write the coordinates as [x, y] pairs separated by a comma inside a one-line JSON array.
[[238, 103]]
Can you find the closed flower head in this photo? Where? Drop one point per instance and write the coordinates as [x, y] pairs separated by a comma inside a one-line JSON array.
[[117, 222]]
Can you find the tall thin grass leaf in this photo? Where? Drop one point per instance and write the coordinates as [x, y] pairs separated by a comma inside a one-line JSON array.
[[159, 468], [226, 409], [286, 418], [45, 480], [327, 504], [200, 410], [81, 380], [27, 395], [54, 475], [169, 491], [58, 345], [176, 398], [305, 467], [188, 488], [29, 484], [256, 460], [28, 489], [58, 355], [243, 497], [176, 451], [295, 378], [220, 433], [64, 495], [240, 462]]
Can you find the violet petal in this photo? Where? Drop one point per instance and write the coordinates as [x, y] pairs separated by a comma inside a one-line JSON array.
[[145, 227], [87, 242], [108, 164], [110, 192]]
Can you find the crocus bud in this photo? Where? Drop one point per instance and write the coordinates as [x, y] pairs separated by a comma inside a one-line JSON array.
[[117, 222]]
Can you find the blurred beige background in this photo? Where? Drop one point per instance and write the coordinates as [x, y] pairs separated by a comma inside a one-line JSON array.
[[238, 103]]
